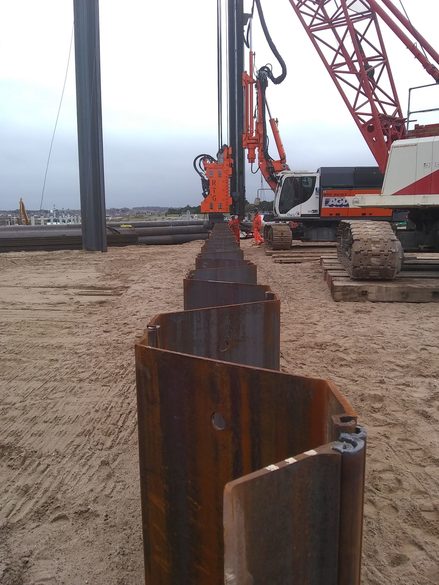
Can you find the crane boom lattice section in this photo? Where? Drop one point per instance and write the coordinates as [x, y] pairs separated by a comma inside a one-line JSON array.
[[347, 36]]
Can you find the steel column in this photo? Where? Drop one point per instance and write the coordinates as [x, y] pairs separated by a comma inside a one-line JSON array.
[[89, 121], [236, 103]]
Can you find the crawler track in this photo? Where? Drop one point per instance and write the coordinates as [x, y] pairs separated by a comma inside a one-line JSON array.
[[369, 250], [279, 236]]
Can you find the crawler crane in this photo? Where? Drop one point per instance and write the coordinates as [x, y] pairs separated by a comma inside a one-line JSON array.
[[346, 34], [347, 37]]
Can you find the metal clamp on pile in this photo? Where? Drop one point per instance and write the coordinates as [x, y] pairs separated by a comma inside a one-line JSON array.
[[248, 474]]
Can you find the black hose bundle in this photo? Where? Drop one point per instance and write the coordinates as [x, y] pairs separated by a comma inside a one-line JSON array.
[[199, 169], [267, 68]]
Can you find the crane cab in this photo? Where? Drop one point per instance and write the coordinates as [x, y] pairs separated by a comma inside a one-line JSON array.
[[327, 193], [317, 201], [297, 195]]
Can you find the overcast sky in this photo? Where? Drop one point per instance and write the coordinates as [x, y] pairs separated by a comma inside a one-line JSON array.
[[159, 98]]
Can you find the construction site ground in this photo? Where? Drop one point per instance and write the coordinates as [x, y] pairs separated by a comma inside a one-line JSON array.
[[69, 498]]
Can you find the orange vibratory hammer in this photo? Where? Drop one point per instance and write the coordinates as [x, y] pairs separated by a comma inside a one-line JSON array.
[[218, 173]]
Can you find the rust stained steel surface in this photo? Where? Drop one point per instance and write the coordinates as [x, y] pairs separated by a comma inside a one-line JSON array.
[[229, 247], [221, 242], [206, 420], [308, 484], [208, 293], [224, 255], [247, 333], [218, 262], [203, 423], [246, 273]]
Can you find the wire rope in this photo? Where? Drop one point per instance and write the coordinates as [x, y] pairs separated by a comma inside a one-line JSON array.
[[408, 18], [56, 120], [227, 77], [219, 50]]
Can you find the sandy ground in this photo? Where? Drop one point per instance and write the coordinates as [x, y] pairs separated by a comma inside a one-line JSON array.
[[69, 497]]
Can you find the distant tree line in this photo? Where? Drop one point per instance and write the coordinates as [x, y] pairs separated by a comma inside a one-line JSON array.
[[262, 205], [193, 210]]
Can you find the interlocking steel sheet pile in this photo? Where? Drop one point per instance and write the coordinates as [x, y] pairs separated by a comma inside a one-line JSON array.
[[249, 475]]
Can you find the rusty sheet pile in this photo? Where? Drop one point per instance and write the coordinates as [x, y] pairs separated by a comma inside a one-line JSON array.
[[249, 475]]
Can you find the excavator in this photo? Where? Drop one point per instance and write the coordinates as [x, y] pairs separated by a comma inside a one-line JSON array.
[[346, 34]]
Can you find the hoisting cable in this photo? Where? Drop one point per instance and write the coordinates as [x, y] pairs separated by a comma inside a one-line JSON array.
[[56, 120], [247, 37], [199, 160], [248, 43], [219, 50], [408, 18], [226, 19]]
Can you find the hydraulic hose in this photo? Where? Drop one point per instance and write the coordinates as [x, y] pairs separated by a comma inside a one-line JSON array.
[[281, 77]]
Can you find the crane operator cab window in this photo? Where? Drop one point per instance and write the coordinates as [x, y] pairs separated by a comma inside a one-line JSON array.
[[295, 191]]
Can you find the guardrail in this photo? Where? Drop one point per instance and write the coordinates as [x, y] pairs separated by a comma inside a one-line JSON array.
[[248, 475]]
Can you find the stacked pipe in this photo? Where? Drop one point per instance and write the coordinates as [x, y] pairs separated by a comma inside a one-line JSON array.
[[248, 474], [69, 237], [58, 237], [171, 232]]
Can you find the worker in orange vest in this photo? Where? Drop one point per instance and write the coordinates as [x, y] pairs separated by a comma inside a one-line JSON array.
[[257, 228], [234, 226]]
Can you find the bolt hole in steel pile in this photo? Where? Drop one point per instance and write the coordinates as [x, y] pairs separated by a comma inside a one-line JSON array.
[[218, 421], [248, 475]]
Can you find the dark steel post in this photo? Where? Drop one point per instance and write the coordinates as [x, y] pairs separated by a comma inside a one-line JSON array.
[[236, 103], [89, 120]]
